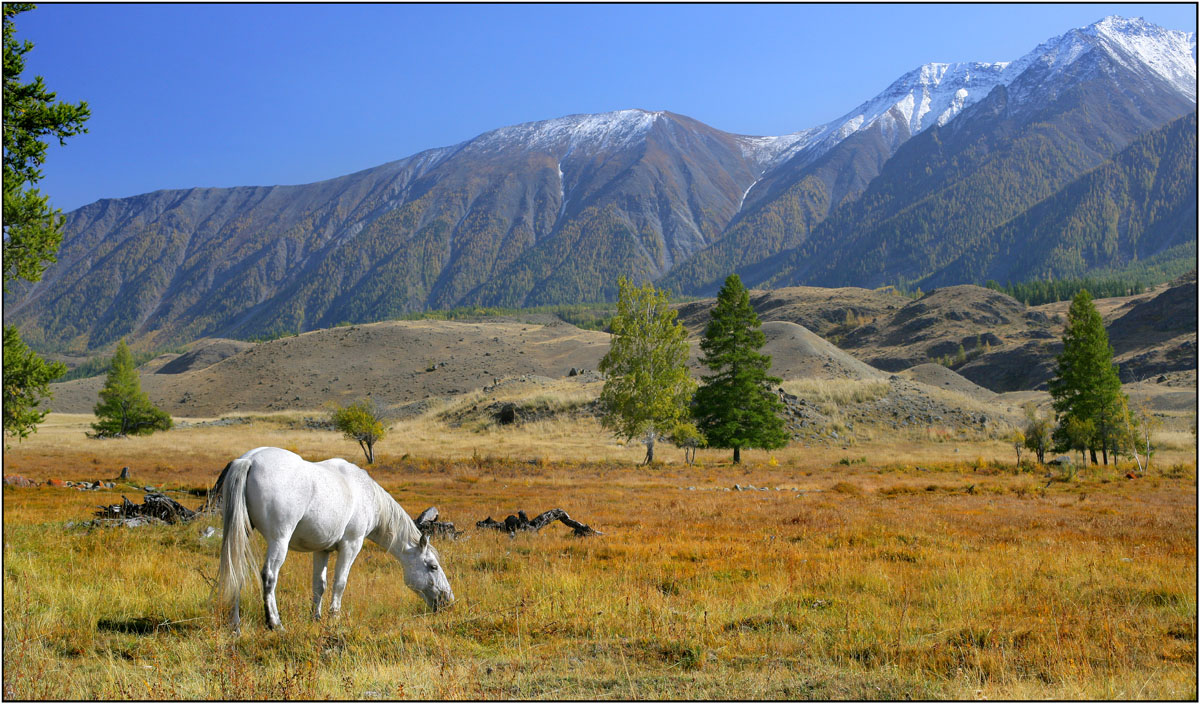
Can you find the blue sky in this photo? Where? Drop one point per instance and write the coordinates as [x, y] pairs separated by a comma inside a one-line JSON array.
[[232, 94]]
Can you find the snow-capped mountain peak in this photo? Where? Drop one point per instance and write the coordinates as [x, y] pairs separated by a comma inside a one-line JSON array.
[[929, 94], [1169, 53], [1135, 43], [935, 92]]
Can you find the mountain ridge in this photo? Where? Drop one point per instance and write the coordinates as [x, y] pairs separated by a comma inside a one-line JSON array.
[[555, 210]]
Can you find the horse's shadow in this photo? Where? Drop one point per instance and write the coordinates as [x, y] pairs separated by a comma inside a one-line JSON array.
[[144, 625]]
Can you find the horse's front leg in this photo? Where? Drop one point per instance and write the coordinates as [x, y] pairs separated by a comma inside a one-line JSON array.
[[320, 562], [276, 554], [347, 551]]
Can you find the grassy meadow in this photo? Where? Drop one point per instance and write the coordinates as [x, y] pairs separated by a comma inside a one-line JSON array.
[[883, 570]]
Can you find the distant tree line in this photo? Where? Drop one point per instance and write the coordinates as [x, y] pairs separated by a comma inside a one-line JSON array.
[[1035, 293]]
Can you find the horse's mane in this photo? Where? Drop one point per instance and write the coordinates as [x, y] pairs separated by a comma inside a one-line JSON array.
[[394, 521]]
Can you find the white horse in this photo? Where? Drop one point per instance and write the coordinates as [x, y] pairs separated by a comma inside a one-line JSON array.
[[316, 507]]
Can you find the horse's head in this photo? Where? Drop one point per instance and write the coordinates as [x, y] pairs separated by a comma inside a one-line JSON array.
[[423, 574]]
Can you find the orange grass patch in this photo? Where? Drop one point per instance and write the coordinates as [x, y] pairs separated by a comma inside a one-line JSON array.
[[943, 578]]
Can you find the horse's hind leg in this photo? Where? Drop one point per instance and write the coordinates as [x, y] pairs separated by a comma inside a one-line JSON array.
[[276, 554], [320, 562]]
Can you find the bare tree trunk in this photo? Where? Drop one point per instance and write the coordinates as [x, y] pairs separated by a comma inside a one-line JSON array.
[[1136, 457], [1147, 423], [737, 455], [649, 448]]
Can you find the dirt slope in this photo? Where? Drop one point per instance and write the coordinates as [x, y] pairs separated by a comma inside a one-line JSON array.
[[395, 362], [797, 352], [204, 353]]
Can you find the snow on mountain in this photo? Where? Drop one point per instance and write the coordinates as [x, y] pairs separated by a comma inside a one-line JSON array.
[[936, 92], [1135, 43], [772, 150], [601, 131], [930, 94]]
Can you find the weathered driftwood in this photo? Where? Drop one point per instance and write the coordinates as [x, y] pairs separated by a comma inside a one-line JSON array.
[[512, 524], [154, 505], [429, 525]]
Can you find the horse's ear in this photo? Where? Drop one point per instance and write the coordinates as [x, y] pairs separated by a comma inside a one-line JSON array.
[[424, 541]]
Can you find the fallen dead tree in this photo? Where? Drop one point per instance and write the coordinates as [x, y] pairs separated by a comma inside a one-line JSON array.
[[429, 525], [155, 506], [512, 524]]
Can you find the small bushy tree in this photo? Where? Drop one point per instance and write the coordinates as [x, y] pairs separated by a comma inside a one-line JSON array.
[[1038, 430], [648, 389], [688, 437], [1139, 424], [124, 409], [1017, 438], [736, 406], [363, 422]]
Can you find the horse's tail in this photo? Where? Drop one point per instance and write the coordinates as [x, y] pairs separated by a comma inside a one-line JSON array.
[[236, 558]]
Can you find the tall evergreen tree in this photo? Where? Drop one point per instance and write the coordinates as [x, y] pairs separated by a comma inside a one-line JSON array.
[[648, 388], [26, 377], [1087, 389], [125, 409], [31, 228], [736, 407]]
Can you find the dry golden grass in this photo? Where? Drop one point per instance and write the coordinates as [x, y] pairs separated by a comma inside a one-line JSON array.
[[193, 456], [917, 572], [831, 394]]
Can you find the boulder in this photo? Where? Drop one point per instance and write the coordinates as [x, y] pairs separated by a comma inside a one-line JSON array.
[[18, 480]]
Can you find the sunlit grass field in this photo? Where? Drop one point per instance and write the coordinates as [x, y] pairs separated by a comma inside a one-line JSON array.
[[874, 572]]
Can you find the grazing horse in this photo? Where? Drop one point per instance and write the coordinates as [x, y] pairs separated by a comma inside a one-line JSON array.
[[317, 507]]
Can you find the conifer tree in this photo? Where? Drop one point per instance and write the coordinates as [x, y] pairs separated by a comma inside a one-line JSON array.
[[648, 388], [1087, 389], [736, 407], [26, 380], [31, 227], [125, 409]]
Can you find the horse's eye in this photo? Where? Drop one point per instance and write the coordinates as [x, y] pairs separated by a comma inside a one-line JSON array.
[[433, 568]]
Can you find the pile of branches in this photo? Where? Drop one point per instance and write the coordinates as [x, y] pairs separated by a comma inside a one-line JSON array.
[[155, 507], [512, 524]]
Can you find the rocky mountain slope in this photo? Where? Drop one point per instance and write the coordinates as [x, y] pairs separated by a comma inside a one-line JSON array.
[[909, 186]]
